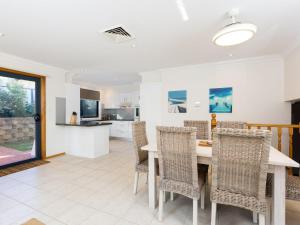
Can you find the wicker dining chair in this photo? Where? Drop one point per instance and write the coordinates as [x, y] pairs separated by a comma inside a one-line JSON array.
[[232, 124], [239, 170], [139, 139], [202, 128], [292, 187], [202, 133], [178, 166]]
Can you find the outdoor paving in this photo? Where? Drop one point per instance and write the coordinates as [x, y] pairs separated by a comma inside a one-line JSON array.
[[9, 155]]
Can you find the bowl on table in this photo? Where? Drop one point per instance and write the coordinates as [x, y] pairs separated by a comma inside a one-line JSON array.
[[205, 143]]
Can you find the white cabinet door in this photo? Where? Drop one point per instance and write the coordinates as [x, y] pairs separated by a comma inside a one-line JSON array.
[[112, 131], [125, 99], [122, 129], [115, 100], [129, 134], [111, 100], [135, 97]]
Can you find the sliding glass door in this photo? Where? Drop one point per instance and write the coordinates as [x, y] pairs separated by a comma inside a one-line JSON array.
[[20, 127]]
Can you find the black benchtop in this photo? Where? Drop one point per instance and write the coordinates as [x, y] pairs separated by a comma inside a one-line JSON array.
[[85, 124], [117, 120]]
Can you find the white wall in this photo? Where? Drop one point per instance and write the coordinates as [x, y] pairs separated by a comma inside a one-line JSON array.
[[151, 101], [292, 75], [258, 91], [55, 87], [72, 101]]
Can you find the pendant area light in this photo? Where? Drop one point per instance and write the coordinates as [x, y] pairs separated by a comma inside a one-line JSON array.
[[235, 32]]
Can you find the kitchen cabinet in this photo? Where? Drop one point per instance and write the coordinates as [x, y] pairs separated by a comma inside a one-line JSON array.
[[121, 129], [117, 100], [126, 99], [112, 102], [135, 99]]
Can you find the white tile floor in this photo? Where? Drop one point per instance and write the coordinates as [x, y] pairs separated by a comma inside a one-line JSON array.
[[72, 190]]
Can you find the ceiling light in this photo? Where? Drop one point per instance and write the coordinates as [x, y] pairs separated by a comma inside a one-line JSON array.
[[182, 10], [234, 33]]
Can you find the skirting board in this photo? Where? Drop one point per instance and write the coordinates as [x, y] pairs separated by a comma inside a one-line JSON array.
[[120, 138], [56, 155]]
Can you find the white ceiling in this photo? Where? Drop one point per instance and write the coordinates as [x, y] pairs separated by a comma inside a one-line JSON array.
[[105, 79], [65, 33]]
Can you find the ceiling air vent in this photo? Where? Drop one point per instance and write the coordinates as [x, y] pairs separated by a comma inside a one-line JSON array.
[[118, 34]]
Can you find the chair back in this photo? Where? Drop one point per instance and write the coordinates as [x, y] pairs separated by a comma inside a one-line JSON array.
[[139, 139], [177, 154], [232, 124], [240, 161], [202, 128]]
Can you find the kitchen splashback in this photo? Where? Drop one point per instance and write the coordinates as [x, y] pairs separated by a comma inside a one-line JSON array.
[[121, 113]]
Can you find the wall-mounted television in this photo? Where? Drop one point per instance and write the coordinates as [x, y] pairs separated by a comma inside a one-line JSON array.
[[89, 108]]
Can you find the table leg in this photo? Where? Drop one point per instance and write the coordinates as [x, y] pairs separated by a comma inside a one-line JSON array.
[[279, 196], [152, 180]]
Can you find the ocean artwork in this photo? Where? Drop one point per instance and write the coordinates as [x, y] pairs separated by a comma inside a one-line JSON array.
[[177, 101], [220, 100]]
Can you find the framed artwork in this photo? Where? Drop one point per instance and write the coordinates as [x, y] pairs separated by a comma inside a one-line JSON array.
[[220, 100], [177, 101]]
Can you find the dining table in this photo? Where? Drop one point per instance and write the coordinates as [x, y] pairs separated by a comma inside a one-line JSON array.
[[277, 164]]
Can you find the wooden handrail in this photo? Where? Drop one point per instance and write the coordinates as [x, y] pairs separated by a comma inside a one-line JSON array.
[[279, 128], [273, 125], [213, 121]]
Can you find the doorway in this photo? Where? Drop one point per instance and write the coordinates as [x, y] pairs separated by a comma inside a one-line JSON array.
[[20, 117]]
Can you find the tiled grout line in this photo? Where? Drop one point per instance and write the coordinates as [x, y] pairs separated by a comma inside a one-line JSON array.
[[22, 203], [119, 169], [119, 218]]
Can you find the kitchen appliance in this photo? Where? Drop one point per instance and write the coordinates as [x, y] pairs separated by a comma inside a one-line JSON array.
[[137, 114]]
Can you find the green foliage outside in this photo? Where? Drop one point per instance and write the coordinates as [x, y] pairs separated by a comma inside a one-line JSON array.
[[22, 146], [13, 101]]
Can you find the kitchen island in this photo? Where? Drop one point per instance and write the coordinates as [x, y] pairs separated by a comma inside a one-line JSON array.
[[87, 139]]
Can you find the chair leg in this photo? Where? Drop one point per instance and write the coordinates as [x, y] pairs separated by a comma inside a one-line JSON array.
[[172, 196], [165, 196], [268, 218], [262, 219], [136, 180], [269, 212], [202, 196], [161, 205], [255, 217], [213, 213], [206, 178], [195, 211]]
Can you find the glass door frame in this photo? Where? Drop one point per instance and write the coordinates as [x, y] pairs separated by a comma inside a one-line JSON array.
[[40, 126]]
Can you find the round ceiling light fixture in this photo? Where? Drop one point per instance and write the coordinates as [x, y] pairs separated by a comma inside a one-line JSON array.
[[235, 32]]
